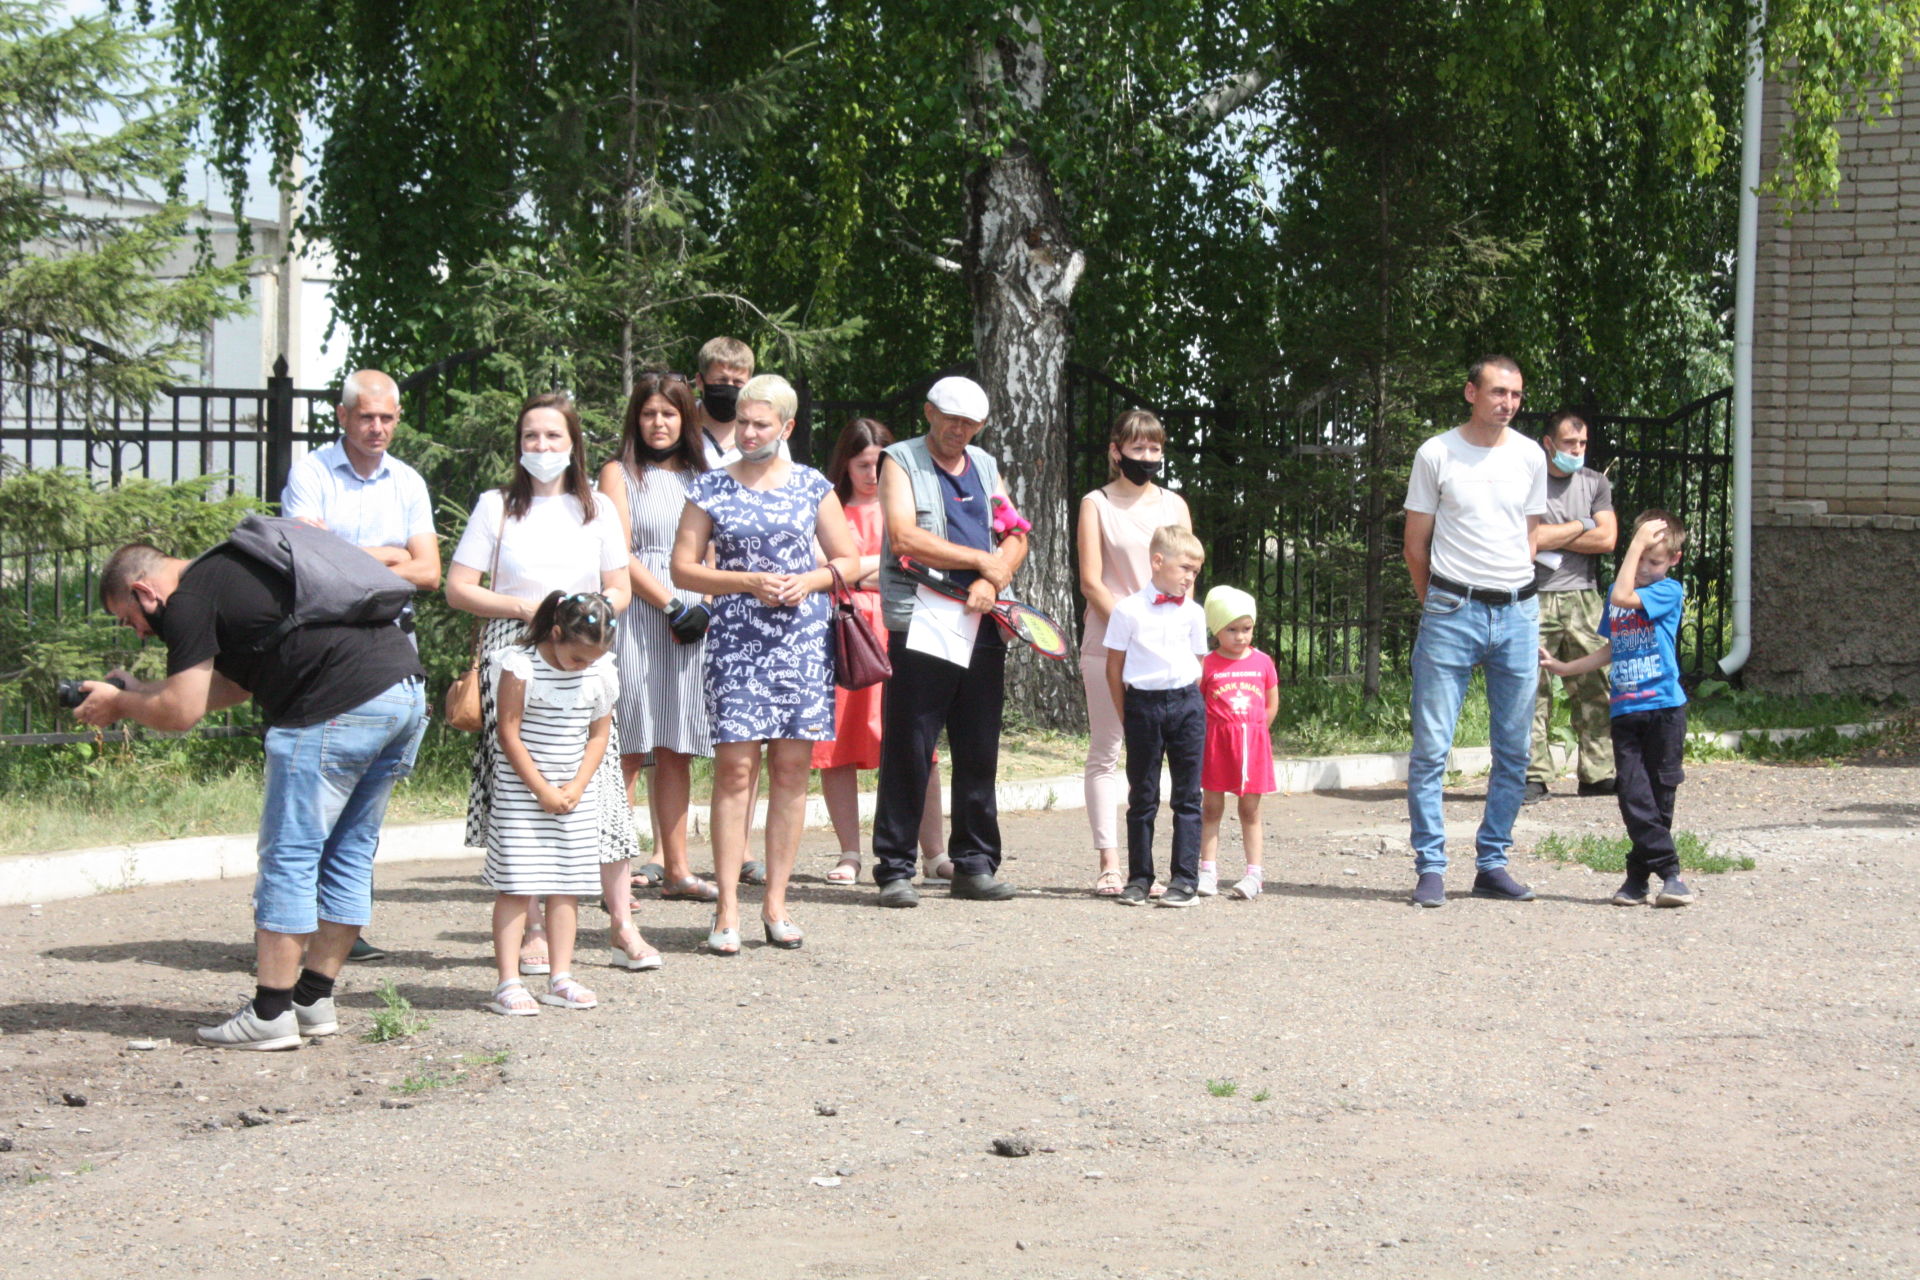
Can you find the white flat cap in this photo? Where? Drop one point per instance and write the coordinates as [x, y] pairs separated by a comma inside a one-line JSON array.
[[961, 397]]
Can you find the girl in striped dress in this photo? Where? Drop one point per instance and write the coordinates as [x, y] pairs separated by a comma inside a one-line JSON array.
[[554, 694]]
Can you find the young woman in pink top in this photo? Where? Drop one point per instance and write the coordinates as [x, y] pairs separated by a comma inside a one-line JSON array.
[[1117, 522]]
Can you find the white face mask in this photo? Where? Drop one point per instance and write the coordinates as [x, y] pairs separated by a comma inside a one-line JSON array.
[[761, 454], [546, 466]]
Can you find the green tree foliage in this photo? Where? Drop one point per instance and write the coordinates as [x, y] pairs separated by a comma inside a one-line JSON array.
[[506, 172], [83, 123]]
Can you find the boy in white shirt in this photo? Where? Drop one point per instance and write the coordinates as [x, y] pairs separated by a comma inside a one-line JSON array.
[[1155, 640]]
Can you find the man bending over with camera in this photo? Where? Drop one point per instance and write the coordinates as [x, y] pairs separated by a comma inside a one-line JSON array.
[[344, 706]]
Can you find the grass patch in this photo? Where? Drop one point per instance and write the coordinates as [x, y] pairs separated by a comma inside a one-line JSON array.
[[1264, 1095], [1718, 707], [81, 795], [1222, 1088], [1609, 853], [423, 1081], [494, 1059], [397, 1019]]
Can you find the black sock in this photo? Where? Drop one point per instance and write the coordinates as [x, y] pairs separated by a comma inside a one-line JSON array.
[[312, 986], [270, 1002]]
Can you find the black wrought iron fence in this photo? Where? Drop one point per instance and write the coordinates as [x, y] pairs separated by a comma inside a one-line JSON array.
[[246, 436], [1278, 494], [1279, 498]]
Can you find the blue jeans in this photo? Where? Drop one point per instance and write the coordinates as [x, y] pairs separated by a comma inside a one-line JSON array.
[[327, 789], [1457, 635]]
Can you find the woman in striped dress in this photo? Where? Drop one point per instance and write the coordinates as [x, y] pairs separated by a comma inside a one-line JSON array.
[[547, 530], [661, 646], [553, 697]]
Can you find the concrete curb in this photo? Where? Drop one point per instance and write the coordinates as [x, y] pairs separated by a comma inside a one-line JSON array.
[[84, 873]]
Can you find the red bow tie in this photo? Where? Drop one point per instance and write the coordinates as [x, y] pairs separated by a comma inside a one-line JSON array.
[[1167, 599]]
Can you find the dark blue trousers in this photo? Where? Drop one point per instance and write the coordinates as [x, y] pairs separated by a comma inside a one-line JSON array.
[[1170, 725], [926, 695], [1649, 748]]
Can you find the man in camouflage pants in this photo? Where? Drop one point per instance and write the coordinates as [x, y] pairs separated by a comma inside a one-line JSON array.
[[1579, 528]]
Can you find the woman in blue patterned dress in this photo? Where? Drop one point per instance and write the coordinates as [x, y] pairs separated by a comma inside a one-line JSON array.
[[769, 676]]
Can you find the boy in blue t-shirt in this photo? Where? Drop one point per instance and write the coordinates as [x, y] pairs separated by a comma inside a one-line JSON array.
[[1649, 709]]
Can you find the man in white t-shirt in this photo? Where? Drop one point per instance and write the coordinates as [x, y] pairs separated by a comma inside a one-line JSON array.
[[1474, 500], [355, 489]]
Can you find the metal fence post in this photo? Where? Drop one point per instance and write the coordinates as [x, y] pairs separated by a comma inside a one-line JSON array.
[[279, 430], [801, 446]]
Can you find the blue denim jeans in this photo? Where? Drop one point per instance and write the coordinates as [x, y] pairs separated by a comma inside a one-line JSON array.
[[1457, 635], [327, 789]]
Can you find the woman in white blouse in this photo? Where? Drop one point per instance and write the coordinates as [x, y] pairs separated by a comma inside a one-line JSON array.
[[548, 530]]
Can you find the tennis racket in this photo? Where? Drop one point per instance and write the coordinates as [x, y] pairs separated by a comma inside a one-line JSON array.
[[1023, 622]]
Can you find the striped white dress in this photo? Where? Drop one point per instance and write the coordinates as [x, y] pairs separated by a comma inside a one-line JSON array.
[[531, 851], [663, 700]]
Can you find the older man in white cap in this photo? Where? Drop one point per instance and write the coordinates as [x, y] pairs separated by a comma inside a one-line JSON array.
[[936, 495]]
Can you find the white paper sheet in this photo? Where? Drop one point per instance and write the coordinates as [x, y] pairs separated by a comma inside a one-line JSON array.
[[943, 628], [1551, 559]]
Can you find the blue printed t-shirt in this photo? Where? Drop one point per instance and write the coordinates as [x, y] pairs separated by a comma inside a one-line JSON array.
[[1646, 649], [969, 515]]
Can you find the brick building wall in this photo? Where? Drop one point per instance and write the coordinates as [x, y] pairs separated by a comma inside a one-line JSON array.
[[1836, 422]]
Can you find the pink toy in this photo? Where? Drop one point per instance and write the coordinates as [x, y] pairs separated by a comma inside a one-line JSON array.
[[1008, 521]]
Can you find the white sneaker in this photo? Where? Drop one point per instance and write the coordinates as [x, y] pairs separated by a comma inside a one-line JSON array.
[[1249, 887], [245, 1030], [318, 1018], [1208, 884]]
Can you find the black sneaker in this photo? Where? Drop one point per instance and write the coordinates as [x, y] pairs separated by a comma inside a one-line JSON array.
[[1631, 893], [1604, 787], [364, 950], [1673, 893], [1134, 895], [1430, 890], [1179, 894], [899, 893], [1535, 792], [1499, 883]]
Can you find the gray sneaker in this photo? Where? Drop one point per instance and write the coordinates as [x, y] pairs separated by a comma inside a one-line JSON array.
[[1673, 893], [316, 1019], [245, 1031], [1430, 890]]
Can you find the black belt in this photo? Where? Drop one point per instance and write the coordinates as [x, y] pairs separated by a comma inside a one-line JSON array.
[[1485, 595]]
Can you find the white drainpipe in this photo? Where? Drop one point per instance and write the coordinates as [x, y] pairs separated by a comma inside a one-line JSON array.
[[1736, 657]]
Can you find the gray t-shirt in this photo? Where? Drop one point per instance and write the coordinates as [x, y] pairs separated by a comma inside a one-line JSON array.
[[1584, 493]]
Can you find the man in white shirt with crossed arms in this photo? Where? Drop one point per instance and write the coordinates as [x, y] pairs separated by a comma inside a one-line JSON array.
[[1474, 500], [353, 488]]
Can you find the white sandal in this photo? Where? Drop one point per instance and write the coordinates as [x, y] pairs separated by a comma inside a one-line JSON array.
[[563, 992], [847, 872], [505, 1003]]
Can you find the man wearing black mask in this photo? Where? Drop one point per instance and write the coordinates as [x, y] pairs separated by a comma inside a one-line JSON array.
[[725, 366]]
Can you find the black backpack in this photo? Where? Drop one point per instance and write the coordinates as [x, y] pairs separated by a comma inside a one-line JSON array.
[[334, 582]]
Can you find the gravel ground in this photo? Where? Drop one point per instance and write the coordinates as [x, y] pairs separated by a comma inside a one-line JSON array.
[[1541, 1089]]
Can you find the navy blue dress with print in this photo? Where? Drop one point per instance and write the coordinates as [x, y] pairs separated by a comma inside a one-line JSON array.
[[769, 667]]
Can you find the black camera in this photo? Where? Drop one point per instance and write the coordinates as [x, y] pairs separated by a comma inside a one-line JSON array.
[[69, 694]]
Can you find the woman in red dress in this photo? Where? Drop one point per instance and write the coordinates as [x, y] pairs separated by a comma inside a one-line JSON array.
[[855, 475]]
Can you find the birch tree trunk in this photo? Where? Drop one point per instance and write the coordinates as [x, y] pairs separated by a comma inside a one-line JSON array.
[[1021, 268]]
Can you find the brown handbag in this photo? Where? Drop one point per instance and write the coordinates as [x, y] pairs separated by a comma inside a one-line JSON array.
[[859, 659], [462, 707]]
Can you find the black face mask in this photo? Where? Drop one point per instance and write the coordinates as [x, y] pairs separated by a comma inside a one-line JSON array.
[[647, 453], [720, 401], [1139, 470], [156, 617]]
